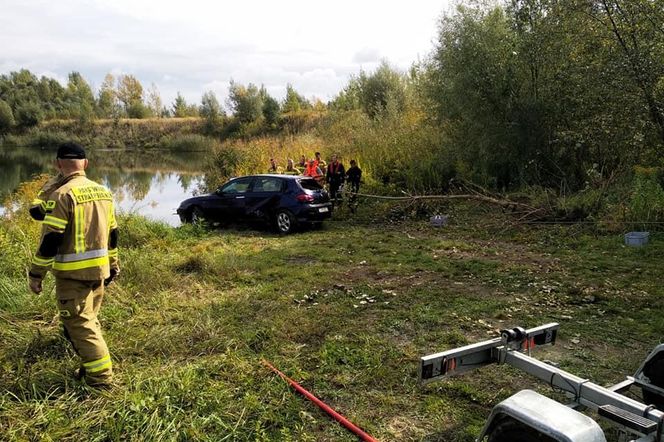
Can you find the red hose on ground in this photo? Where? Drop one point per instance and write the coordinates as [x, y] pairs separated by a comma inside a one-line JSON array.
[[339, 418]]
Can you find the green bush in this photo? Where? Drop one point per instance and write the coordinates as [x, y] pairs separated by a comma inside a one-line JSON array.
[[28, 115], [224, 164], [6, 117], [579, 206], [646, 204], [138, 110]]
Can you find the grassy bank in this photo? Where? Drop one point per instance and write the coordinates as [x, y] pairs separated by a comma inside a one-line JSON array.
[[114, 134], [346, 310]]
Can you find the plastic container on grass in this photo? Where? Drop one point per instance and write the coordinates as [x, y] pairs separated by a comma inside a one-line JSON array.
[[438, 220], [636, 239]]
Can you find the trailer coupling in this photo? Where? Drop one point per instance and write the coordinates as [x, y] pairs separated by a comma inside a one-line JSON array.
[[529, 412], [459, 360]]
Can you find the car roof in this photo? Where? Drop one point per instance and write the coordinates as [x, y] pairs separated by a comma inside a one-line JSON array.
[[274, 175]]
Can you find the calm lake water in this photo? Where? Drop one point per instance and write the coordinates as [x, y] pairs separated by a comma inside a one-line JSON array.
[[148, 183]]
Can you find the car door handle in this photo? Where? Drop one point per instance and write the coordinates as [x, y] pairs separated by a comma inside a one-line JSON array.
[[239, 197]]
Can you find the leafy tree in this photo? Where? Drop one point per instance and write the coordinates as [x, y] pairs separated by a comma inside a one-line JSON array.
[[294, 102], [180, 106], [636, 26], [28, 114], [6, 117], [539, 91], [349, 97], [129, 91], [211, 111], [23, 88], [318, 105], [245, 102], [385, 87], [473, 89], [79, 97], [154, 102], [52, 96], [107, 102], [5, 87], [192, 110], [271, 109], [210, 108]]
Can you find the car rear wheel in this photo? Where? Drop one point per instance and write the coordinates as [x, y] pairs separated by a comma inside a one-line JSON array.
[[285, 222]]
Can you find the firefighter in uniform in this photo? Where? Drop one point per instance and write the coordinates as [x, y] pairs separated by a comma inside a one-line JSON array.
[[79, 246]]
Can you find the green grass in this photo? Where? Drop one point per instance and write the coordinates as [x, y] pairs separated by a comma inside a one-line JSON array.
[[347, 311]]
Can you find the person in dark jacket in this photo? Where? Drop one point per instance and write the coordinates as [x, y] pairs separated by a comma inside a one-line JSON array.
[[353, 177], [335, 177]]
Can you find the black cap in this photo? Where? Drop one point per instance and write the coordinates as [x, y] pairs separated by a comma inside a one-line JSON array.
[[71, 151]]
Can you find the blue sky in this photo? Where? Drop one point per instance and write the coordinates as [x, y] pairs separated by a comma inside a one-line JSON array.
[[193, 46]]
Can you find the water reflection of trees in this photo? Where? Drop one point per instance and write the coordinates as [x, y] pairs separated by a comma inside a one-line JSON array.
[[185, 181], [190, 162], [16, 168], [123, 183], [128, 174]]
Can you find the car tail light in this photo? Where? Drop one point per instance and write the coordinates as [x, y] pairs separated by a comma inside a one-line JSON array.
[[305, 198]]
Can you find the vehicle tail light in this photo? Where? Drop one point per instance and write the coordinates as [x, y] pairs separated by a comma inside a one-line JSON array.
[[305, 198]]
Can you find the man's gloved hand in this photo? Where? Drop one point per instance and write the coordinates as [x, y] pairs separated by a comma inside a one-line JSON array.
[[114, 274], [35, 285]]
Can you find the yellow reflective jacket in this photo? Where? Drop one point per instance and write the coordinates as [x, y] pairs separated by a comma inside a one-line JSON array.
[[79, 234], [42, 205]]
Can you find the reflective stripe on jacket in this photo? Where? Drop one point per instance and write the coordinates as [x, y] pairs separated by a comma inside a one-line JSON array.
[[42, 204]]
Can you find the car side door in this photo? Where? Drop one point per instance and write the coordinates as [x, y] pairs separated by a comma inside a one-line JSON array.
[[232, 199], [265, 195]]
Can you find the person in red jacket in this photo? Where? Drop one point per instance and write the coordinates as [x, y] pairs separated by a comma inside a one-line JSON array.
[[313, 171]]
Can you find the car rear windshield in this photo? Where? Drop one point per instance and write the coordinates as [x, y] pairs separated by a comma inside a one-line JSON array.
[[310, 184]]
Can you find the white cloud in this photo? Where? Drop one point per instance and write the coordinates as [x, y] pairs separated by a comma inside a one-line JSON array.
[[366, 55], [187, 46]]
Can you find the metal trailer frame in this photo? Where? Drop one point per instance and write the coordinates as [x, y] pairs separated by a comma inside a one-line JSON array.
[[643, 421]]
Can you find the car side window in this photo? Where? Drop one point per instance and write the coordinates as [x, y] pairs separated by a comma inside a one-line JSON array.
[[267, 184], [241, 185]]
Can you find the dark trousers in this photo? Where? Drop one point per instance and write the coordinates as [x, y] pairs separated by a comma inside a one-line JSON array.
[[352, 199], [335, 195]]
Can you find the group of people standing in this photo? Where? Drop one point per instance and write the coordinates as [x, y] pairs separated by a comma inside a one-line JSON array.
[[333, 174]]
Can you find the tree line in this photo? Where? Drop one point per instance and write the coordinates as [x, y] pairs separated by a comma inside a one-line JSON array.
[[562, 94], [552, 93], [26, 100]]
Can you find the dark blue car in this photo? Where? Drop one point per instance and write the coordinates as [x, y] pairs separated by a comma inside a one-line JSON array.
[[284, 201]]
